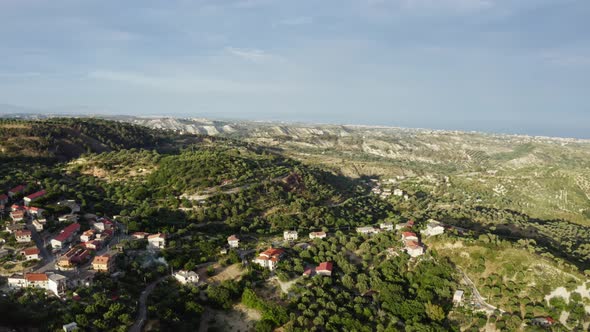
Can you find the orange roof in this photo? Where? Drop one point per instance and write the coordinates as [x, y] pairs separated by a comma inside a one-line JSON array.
[[101, 259], [31, 251], [233, 238], [412, 244], [23, 232], [408, 234], [273, 252], [158, 235], [36, 277]]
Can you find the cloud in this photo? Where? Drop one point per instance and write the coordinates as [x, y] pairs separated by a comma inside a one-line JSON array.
[[253, 55], [183, 83]]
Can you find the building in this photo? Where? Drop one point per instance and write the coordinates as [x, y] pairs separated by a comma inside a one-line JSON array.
[[39, 226], [233, 241], [87, 236], [270, 258], [103, 263], [13, 227], [99, 226], [386, 226], [16, 190], [317, 235], [458, 297], [34, 196], [367, 230], [23, 236], [35, 211], [290, 235], [73, 257], [433, 227], [16, 281], [325, 269], [140, 235], [70, 327], [56, 283], [398, 192], [93, 245], [401, 226], [66, 236], [38, 280], [31, 253], [18, 215], [157, 241], [186, 277], [413, 248], [409, 236]]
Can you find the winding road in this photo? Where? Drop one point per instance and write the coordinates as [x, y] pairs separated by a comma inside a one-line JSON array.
[[142, 314]]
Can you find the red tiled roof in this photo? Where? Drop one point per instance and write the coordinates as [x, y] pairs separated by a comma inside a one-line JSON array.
[[273, 252], [158, 235], [17, 189], [325, 266], [37, 194], [233, 238], [101, 259], [36, 277], [412, 244], [23, 232], [408, 234], [67, 232], [31, 251]]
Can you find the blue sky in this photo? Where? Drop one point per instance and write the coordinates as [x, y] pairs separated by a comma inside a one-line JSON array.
[[515, 66]]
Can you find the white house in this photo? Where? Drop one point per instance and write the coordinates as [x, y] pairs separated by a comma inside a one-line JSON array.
[[38, 225], [433, 227], [317, 235], [367, 230], [157, 241], [269, 258], [186, 277], [23, 236], [290, 235], [31, 253], [70, 327], [413, 248], [233, 241], [56, 283], [386, 226], [409, 236], [16, 281], [398, 192]]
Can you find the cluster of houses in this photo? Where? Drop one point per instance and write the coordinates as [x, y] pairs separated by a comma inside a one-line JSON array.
[[377, 189]]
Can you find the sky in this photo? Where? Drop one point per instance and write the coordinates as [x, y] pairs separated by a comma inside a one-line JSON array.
[[509, 66]]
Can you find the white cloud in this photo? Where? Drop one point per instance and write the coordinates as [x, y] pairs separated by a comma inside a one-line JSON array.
[[254, 55]]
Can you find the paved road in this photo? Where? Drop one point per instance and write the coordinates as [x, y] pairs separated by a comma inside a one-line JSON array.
[[142, 315]]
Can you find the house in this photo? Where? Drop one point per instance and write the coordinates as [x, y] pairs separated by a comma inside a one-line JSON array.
[[87, 236], [317, 235], [186, 277], [56, 283], [99, 226], [433, 227], [38, 280], [31, 253], [13, 227], [38, 225], [17, 281], [398, 192], [543, 321], [325, 269], [157, 241], [34, 196], [270, 258], [409, 236], [93, 245], [3, 199], [386, 226], [413, 248], [17, 215], [140, 235], [68, 218], [70, 327], [16, 190], [72, 257], [34, 211], [290, 235], [367, 230], [103, 263], [233, 241], [458, 297], [23, 236], [66, 236], [401, 226]]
